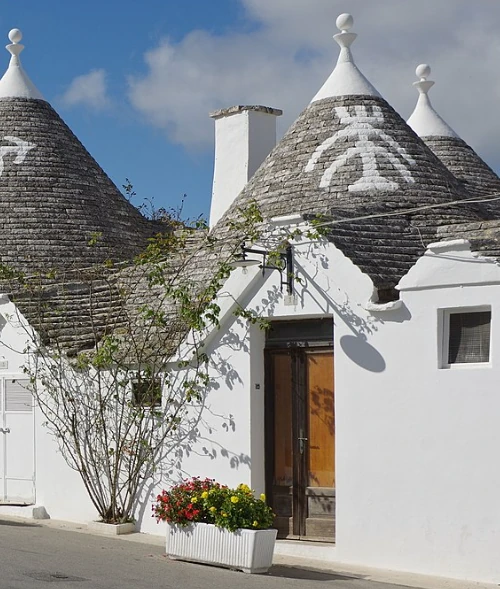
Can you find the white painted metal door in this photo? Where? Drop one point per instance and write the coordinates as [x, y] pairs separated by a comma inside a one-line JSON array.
[[17, 442]]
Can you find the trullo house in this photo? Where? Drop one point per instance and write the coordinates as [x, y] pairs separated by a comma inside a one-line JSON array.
[[367, 409]]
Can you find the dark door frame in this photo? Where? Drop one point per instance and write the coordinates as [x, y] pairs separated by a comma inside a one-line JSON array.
[[297, 349]]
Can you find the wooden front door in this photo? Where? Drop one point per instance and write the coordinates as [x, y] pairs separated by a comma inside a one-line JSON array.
[[300, 441]]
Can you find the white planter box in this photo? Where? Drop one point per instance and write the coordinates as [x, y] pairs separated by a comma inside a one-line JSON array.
[[250, 551], [111, 529]]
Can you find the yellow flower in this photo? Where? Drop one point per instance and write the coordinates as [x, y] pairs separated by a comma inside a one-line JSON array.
[[204, 495], [212, 509], [224, 514], [194, 500], [262, 496], [255, 523], [234, 499], [244, 488]]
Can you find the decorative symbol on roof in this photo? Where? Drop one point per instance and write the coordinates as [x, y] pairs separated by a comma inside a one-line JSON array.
[[21, 149], [371, 144]]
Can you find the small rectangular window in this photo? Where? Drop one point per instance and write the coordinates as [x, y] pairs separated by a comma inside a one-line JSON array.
[[17, 395], [146, 393], [468, 338]]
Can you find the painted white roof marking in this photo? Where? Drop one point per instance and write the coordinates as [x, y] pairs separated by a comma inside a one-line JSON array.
[[424, 120], [346, 79], [15, 83]]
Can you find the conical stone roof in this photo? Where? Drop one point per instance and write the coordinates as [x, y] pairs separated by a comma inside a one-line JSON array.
[[466, 165], [346, 153], [463, 162], [350, 158], [57, 206], [352, 155]]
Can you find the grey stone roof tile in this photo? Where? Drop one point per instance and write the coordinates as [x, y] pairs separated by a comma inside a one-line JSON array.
[[343, 159], [354, 156], [54, 197], [466, 165]]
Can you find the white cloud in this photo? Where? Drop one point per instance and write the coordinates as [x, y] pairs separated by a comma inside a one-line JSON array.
[[88, 90], [285, 59]]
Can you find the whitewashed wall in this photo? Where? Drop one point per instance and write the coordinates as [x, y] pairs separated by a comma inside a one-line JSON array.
[[417, 467], [230, 446], [417, 445], [418, 474], [57, 488]]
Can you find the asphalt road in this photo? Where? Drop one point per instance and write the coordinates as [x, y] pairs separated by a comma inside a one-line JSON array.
[[33, 556]]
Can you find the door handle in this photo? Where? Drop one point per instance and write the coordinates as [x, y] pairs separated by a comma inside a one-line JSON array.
[[302, 444], [4, 430]]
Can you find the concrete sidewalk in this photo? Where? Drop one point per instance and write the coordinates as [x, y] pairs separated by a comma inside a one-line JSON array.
[[293, 561]]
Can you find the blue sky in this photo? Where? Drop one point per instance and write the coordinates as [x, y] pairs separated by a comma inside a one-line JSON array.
[[135, 80], [64, 39]]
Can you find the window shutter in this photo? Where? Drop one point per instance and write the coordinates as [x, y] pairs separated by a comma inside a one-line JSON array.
[[469, 337], [17, 396]]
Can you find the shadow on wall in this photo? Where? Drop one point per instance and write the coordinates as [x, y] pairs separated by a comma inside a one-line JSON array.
[[356, 346], [201, 428], [357, 349], [3, 323], [191, 440], [235, 460]]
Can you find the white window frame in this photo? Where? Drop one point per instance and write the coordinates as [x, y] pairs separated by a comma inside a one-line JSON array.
[[444, 330]]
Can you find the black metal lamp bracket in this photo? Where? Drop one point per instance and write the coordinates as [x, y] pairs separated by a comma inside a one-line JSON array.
[[287, 259]]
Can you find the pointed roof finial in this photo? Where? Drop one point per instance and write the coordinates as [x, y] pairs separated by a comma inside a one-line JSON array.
[[345, 39], [422, 72], [15, 35], [344, 22], [15, 82], [424, 120], [15, 47], [346, 79]]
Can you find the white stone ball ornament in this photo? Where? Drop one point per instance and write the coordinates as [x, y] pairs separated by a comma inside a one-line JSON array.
[[423, 71], [15, 36], [344, 22]]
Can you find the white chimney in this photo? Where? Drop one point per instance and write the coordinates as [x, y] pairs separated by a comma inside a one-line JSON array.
[[244, 137]]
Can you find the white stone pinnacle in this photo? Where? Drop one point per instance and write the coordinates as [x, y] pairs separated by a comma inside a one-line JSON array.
[[424, 120], [15, 83], [15, 36], [344, 22], [346, 79], [423, 85], [423, 71]]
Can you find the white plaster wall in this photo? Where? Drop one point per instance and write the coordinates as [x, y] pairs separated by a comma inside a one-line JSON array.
[[229, 440], [417, 445], [13, 337], [230, 445], [220, 445], [418, 472], [57, 487], [417, 466]]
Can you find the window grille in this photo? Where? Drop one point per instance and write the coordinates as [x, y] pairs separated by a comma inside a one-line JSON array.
[[469, 337], [146, 393]]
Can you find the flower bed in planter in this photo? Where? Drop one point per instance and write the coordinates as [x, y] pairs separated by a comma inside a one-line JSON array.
[[250, 551], [213, 524]]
